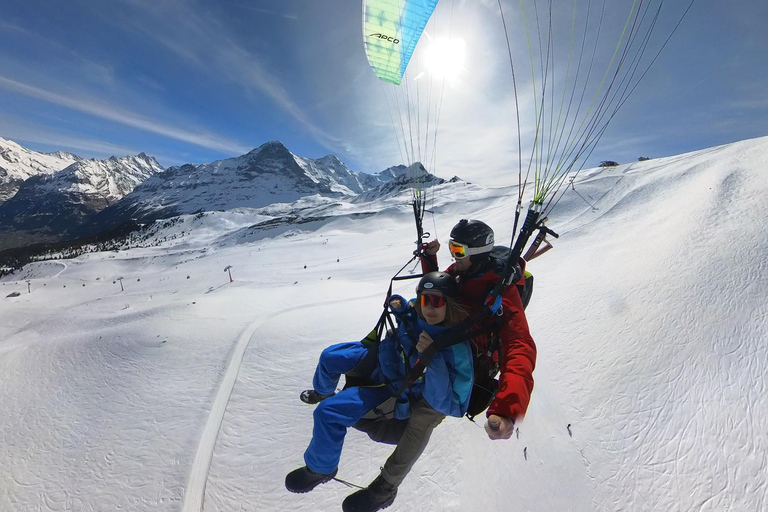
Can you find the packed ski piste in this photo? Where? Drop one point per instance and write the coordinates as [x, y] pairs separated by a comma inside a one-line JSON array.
[[462, 347]]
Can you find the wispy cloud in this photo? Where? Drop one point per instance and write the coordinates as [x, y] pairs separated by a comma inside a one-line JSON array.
[[749, 104], [10, 27], [750, 100], [267, 11], [18, 131], [89, 68], [120, 116], [214, 52]]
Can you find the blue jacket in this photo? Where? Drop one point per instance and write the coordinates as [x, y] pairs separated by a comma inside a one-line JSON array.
[[447, 383]]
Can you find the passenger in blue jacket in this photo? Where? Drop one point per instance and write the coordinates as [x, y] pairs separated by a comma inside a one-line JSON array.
[[443, 390]]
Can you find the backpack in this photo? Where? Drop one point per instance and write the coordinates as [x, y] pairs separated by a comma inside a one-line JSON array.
[[500, 253]]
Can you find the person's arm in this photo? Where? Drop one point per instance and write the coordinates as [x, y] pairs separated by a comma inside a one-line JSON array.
[[429, 257], [517, 360]]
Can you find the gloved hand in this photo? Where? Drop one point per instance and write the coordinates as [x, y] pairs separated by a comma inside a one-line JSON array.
[[499, 427], [432, 247], [425, 340]]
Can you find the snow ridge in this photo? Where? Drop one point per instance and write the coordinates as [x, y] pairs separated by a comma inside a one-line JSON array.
[[18, 163]]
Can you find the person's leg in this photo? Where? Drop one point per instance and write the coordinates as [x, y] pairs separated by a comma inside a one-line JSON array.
[[386, 431], [334, 361], [332, 418], [383, 490], [414, 440]]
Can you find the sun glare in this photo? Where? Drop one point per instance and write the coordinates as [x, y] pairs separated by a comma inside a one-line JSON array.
[[445, 57]]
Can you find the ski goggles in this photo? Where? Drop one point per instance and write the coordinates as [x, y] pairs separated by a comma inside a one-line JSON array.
[[460, 251], [436, 301]]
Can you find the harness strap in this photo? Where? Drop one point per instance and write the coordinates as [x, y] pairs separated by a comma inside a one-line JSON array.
[[453, 336], [348, 484]]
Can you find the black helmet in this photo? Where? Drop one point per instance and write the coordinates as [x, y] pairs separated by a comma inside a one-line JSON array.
[[439, 282], [474, 234]]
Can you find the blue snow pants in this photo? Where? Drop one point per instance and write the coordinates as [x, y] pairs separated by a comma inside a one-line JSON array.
[[334, 415]]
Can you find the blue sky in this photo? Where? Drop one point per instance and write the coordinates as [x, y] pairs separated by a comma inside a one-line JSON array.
[[196, 81]]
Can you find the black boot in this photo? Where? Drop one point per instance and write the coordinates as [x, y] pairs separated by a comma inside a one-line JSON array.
[[312, 397], [380, 494], [304, 479]]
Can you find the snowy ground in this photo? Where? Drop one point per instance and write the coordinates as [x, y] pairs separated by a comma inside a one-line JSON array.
[[181, 392]]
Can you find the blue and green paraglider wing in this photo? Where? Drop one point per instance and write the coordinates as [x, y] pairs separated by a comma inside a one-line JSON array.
[[391, 29]]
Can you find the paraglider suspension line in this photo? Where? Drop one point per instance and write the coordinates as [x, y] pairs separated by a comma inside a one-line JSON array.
[[348, 484]]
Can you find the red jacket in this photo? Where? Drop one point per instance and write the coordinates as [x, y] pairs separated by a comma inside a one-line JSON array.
[[517, 352]]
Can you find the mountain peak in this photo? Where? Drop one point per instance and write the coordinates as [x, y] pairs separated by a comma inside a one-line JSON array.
[[271, 147], [331, 159]]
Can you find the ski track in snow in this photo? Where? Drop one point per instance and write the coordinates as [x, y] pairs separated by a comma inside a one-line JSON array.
[[195, 491]]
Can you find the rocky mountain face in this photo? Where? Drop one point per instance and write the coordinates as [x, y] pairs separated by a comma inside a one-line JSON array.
[[267, 175], [18, 164], [401, 178], [50, 207]]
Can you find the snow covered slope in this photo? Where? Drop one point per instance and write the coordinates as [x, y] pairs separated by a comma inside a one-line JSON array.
[[54, 206], [18, 163], [649, 316]]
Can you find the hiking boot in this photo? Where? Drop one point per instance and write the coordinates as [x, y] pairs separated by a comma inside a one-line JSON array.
[[304, 479], [380, 494], [312, 397]]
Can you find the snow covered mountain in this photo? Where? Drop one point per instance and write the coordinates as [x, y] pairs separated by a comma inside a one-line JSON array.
[[267, 175], [402, 178], [91, 197], [49, 207], [18, 163]]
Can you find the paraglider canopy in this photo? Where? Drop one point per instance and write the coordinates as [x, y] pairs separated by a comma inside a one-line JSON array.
[[391, 29]]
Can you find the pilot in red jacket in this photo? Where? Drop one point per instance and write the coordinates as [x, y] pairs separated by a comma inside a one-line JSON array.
[[477, 274]]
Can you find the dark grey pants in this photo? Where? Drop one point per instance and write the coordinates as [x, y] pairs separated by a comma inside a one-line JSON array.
[[411, 436]]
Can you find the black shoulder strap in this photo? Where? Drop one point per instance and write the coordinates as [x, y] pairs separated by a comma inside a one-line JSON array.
[[468, 328]]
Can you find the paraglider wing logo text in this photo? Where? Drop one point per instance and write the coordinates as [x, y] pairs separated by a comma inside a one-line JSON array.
[[391, 39]]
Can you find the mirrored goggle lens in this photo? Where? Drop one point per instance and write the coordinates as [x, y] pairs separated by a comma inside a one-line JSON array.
[[457, 250], [432, 300]]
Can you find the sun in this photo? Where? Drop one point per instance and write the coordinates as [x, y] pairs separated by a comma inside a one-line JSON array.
[[445, 57]]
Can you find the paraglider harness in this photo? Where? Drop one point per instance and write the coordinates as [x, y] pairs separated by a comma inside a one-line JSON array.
[[485, 321]]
